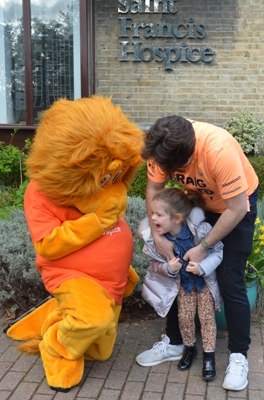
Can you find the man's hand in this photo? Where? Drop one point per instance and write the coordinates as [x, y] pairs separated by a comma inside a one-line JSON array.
[[193, 268], [164, 247], [195, 254]]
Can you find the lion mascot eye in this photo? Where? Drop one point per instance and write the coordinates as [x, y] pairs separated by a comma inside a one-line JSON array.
[[105, 179]]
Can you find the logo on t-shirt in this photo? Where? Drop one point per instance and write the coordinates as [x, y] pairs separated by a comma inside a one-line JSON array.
[[110, 232], [230, 182]]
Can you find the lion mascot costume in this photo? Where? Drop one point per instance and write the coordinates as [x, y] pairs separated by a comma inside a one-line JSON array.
[[81, 163]]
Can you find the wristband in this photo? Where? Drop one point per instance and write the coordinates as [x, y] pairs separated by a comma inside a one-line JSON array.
[[205, 245]]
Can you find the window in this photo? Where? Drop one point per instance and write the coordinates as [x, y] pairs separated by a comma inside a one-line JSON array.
[[45, 46]]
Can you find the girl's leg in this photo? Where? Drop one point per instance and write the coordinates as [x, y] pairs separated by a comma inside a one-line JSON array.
[[206, 312], [187, 310], [186, 314]]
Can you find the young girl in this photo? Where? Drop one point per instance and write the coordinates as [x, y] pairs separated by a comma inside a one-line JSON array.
[[180, 218]]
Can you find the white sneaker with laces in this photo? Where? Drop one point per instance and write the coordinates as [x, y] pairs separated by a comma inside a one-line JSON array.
[[236, 372], [160, 352]]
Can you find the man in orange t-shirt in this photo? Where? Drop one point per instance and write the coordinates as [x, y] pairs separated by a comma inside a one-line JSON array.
[[206, 159]]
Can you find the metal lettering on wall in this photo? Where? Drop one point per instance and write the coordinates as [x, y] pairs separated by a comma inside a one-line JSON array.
[[135, 50]]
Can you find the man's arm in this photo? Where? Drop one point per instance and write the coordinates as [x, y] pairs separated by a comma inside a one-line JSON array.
[[163, 246], [234, 213], [151, 189]]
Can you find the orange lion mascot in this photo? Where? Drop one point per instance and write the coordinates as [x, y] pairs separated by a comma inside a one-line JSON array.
[[81, 162]]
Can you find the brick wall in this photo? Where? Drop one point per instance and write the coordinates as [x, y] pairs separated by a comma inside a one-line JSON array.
[[208, 91]]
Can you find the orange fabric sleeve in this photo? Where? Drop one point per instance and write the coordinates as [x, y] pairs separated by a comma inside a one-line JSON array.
[[154, 173]]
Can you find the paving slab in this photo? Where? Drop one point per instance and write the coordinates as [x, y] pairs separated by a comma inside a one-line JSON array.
[[121, 378]]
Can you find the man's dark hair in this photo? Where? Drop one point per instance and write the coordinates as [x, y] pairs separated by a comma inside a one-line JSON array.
[[171, 142]]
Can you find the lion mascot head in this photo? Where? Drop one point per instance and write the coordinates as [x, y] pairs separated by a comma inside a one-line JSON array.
[[81, 149]]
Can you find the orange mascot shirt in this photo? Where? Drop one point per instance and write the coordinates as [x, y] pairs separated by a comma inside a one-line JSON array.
[[106, 260]]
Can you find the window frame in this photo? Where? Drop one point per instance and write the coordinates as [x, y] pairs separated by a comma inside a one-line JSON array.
[[87, 65]]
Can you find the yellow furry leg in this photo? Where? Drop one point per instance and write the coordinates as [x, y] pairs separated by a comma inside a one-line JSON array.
[[29, 327], [60, 372], [87, 316], [102, 347]]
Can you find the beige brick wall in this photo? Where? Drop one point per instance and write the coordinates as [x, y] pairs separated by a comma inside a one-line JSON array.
[[205, 91]]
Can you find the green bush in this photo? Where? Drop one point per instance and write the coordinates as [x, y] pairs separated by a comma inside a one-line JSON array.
[[258, 165], [136, 211], [248, 129], [21, 286], [12, 199], [12, 161], [138, 187]]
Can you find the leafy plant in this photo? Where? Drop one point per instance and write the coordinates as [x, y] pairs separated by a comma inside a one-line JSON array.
[[136, 211], [138, 187], [258, 165], [12, 161], [248, 130], [6, 203], [12, 199], [21, 286], [255, 263]]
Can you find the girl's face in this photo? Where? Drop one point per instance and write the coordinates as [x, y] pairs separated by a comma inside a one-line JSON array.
[[163, 222]]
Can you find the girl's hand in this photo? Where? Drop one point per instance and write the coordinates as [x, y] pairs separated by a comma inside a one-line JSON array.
[[192, 267], [175, 264]]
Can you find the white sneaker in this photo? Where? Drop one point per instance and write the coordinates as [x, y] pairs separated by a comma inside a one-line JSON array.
[[160, 352], [236, 372]]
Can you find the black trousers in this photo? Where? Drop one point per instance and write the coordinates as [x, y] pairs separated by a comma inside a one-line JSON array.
[[230, 276]]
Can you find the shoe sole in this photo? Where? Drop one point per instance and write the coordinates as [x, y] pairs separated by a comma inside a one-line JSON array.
[[209, 379], [158, 362], [230, 387]]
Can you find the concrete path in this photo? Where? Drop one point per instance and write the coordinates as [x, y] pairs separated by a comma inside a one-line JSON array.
[[120, 378]]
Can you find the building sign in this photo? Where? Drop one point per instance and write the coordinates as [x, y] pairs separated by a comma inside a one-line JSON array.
[[134, 35]]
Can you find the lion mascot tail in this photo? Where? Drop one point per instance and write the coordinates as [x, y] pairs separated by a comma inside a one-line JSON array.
[[30, 346]]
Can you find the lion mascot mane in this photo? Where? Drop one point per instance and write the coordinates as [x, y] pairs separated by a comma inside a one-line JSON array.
[[81, 163]]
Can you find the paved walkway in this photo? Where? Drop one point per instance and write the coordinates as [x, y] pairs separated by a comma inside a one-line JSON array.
[[120, 378]]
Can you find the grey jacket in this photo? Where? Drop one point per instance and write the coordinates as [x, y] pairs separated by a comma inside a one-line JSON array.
[[161, 285]]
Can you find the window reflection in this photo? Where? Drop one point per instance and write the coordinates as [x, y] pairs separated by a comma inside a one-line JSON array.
[[55, 46], [12, 79], [55, 52]]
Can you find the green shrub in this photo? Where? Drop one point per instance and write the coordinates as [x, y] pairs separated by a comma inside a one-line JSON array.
[[248, 129], [258, 165], [12, 164], [138, 187], [12, 199], [136, 211], [20, 284], [6, 203]]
